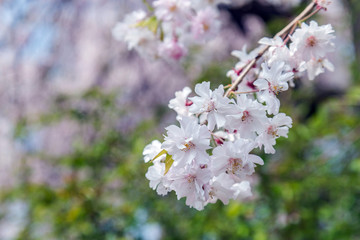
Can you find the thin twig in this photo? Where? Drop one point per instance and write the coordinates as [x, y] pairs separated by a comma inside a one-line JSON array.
[[254, 91], [310, 15], [289, 34]]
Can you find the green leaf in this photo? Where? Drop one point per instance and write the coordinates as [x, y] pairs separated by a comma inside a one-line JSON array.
[[168, 163], [151, 23], [159, 154]]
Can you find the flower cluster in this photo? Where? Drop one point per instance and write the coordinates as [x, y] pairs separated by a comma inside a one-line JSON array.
[[209, 157], [171, 28], [303, 51]]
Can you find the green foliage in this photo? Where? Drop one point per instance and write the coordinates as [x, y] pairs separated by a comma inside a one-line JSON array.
[[310, 189]]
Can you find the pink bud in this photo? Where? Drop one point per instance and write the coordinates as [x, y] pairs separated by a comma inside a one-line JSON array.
[[219, 141], [188, 103]]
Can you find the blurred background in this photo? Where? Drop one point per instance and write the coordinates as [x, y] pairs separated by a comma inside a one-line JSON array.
[[77, 109]]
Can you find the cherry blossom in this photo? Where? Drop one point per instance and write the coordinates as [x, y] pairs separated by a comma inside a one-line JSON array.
[[189, 182], [315, 67], [244, 58], [248, 117], [277, 127], [136, 37], [171, 9], [172, 49], [205, 25], [181, 103], [210, 104], [234, 159], [323, 3], [151, 150], [224, 188], [312, 41], [158, 179], [274, 78], [187, 143]]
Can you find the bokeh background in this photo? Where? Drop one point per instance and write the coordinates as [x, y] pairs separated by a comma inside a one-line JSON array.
[[77, 109]]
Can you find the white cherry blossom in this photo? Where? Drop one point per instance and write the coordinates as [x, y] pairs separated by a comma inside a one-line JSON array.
[[278, 127], [244, 58], [171, 9], [279, 52], [152, 150], [272, 81], [188, 142], [323, 3], [241, 190], [172, 49], [274, 78], [315, 67], [312, 41], [189, 182], [205, 24], [247, 118], [181, 103], [158, 179], [212, 105], [233, 158], [224, 188], [136, 37]]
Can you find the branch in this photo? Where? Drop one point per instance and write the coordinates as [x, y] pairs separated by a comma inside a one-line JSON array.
[[286, 29]]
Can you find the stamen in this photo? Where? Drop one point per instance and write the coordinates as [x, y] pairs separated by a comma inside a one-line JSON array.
[[188, 146], [235, 164], [210, 106], [190, 178], [272, 131], [173, 8], [245, 115], [311, 41]]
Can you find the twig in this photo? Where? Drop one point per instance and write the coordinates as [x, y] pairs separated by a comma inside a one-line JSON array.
[[254, 91], [310, 15]]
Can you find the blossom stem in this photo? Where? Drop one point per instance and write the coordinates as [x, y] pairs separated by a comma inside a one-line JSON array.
[[254, 91], [227, 86], [285, 30], [289, 34]]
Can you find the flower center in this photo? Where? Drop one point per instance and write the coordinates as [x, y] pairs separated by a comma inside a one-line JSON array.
[[210, 106], [311, 41], [206, 27], [235, 164], [245, 115], [272, 131], [212, 194], [190, 178], [276, 89], [188, 146], [172, 8]]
